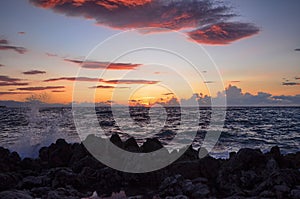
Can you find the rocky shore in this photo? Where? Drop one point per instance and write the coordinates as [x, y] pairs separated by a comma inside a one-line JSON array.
[[66, 171]]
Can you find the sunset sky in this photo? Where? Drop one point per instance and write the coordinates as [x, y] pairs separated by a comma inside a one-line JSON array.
[[255, 44]]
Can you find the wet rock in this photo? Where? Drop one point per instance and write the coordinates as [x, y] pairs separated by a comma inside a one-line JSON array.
[[15, 194]]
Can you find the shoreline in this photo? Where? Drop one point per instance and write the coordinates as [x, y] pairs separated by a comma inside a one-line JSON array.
[[65, 170]]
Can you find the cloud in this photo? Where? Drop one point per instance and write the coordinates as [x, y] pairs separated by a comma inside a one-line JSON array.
[[40, 88], [297, 78], [14, 93], [103, 87], [168, 94], [13, 83], [83, 79], [200, 15], [104, 65], [10, 81], [3, 42], [130, 81], [21, 33], [235, 97], [297, 49], [1, 65], [223, 33], [58, 91], [290, 83], [4, 45], [34, 72], [235, 81]]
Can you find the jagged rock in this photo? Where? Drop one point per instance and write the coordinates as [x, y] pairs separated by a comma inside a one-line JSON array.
[[131, 145], [56, 155], [15, 194], [247, 159], [151, 144], [115, 139], [9, 161]]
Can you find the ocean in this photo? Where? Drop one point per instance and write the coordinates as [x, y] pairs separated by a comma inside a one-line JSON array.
[[25, 130]]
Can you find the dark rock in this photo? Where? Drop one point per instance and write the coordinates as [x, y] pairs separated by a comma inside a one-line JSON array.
[[64, 177], [32, 181], [131, 145], [56, 155], [248, 159], [38, 192], [151, 144], [209, 167], [8, 181], [9, 161], [295, 194], [31, 164], [15, 194], [115, 139], [87, 161]]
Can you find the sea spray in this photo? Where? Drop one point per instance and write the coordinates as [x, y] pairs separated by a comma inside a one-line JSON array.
[[39, 132]]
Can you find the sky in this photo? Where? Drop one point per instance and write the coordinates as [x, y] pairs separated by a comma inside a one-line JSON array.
[[252, 47]]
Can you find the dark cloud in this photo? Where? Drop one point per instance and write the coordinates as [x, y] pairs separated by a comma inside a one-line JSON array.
[[13, 83], [130, 81], [40, 88], [104, 65], [34, 72], [21, 33], [235, 81], [19, 50], [297, 78], [1, 65], [4, 45], [58, 91], [3, 42], [102, 86], [168, 94], [297, 49], [223, 33], [290, 83], [107, 87], [10, 81], [14, 93], [83, 79], [200, 15]]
